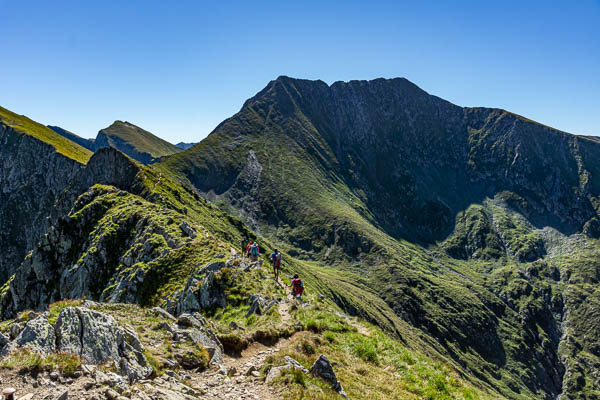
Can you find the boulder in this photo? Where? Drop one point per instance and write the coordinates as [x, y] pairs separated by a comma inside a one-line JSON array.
[[207, 339], [97, 338], [211, 294], [322, 368], [163, 313], [275, 372], [38, 335]]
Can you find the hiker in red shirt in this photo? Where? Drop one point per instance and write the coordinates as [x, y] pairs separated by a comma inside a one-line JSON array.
[[297, 287]]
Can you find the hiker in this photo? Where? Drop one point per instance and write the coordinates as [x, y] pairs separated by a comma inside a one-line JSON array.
[[254, 250], [297, 287], [248, 247], [276, 260], [244, 244]]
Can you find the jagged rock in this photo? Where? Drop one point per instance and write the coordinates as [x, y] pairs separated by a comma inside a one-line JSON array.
[[97, 338], [38, 335], [211, 294], [295, 364], [187, 229], [15, 329], [3, 340], [254, 309], [188, 360], [322, 368], [207, 339], [166, 315], [188, 320], [201, 290]]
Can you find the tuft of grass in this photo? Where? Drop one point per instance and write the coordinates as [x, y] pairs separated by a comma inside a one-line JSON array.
[[25, 360], [55, 308]]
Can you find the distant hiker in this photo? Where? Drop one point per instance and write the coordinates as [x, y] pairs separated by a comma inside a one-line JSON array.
[[248, 247], [254, 250], [244, 244], [276, 260], [297, 287]]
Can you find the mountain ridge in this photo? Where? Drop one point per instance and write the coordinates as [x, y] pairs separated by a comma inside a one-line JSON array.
[[468, 234]]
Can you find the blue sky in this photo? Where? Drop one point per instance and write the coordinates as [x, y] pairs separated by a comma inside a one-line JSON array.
[[179, 68]]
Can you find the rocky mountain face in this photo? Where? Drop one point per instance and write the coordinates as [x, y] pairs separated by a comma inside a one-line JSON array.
[[32, 177], [464, 220], [466, 234]]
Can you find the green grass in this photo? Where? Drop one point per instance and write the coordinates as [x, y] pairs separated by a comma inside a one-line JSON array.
[[25, 360], [40, 132], [141, 140]]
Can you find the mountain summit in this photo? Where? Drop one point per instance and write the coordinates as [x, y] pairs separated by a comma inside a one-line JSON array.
[[468, 236], [459, 218]]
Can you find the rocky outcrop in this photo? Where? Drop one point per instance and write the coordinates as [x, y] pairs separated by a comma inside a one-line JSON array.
[[32, 177], [109, 265], [94, 336], [202, 291]]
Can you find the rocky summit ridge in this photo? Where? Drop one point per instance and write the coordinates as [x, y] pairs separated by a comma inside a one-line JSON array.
[[447, 252]]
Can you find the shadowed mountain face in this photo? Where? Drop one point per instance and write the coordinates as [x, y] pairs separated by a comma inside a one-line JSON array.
[[466, 221], [408, 161]]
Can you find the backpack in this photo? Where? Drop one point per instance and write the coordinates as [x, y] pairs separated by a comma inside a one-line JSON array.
[[298, 286]]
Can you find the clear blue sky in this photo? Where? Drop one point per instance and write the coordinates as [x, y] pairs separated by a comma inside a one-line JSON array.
[[179, 68]]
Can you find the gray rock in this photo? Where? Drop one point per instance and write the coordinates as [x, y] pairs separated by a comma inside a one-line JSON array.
[[322, 368], [275, 372], [3, 340], [63, 396], [97, 338], [187, 229], [207, 339], [162, 313], [15, 329], [38, 335], [187, 320]]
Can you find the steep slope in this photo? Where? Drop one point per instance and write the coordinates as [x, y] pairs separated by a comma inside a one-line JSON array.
[[36, 165], [379, 178], [134, 141], [87, 143]]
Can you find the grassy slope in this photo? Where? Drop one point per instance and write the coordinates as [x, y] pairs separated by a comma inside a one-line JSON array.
[[31, 128], [488, 314], [140, 139]]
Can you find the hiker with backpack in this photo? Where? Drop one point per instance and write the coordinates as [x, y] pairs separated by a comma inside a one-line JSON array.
[[276, 260], [254, 251], [297, 287], [244, 245], [248, 247]]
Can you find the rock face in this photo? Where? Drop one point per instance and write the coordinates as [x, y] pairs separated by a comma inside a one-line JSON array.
[[94, 336], [32, 176], [69, 263], [202, 291]]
